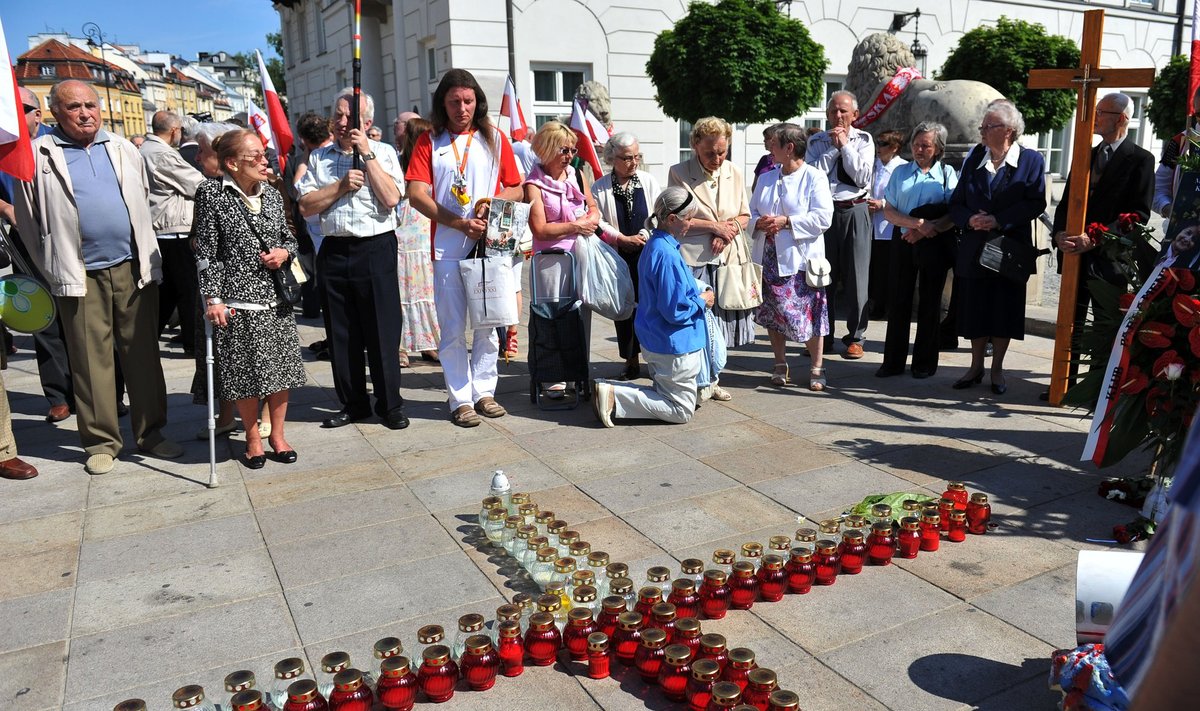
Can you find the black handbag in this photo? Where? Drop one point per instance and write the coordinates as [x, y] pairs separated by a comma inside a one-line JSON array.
[[287, 287], [1010, 258], [938, 251]]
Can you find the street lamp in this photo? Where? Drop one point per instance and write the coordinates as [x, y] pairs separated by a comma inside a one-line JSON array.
[[96, 39], [920, 53], [779, 6]]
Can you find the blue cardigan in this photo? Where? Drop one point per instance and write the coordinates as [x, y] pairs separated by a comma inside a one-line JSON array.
[[670, 314]]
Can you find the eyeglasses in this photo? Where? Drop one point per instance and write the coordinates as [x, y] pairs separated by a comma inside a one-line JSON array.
[[568, 151], [253, 157], [989, 126], [630, 159], [30, 109], [1114, 113]]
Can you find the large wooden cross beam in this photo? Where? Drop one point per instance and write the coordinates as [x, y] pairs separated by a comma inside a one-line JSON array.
[[1086, 79]]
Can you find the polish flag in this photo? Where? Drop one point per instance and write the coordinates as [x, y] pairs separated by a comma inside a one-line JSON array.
[[589, 132], [277, 123], [16, 152], [510, 108], [1194, 74]]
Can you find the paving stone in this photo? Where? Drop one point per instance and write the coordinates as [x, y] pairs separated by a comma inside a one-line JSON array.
[[423, 433], [168, 547], [1072, 520], [829, 487], [817, 621], [319, 517], [48, 494], [32, 678], [772, 649], [127, 486], [621, 540], [976, 656], [123, 658], [314, 452], [140, 597], [138, 517], [568, 503], [635, 453], [655, 486], [467, 488], [709, 414], [932, 463], [1051, 618], [683, 524], [707, 441], [342, 553], [34, 620], [1031, 695], [39, 572], [1026, 482], [773, 459], [283, 487], [30, 536], [469, 456]]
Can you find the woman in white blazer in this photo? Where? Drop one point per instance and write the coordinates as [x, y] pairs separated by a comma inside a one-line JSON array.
[[790, 210], [625, 197]]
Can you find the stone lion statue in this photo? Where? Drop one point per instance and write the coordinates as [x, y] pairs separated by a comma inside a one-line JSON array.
[[599, 102], [957, 105]]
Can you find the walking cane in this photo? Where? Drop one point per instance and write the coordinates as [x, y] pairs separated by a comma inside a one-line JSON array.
[[201, 265]]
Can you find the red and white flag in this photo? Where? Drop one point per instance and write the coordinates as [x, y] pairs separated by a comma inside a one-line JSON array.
[[590, 132], [1194, 74], [16, 152], [277, 123], [510, 108]]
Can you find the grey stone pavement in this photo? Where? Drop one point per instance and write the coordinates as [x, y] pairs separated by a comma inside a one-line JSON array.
[[143, 580]]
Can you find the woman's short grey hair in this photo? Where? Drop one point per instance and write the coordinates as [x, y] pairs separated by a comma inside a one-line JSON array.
[[1009, 115], [368, 109], [771, 131], [667, 203], [619, 140], [787, 133], [935, 129], [208, 132]]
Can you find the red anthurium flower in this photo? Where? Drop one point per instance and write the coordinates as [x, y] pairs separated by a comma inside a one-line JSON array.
[[1156, 334], [1134, 381], [1096, 231], [1158, 401], [1125, 301], [1186, 279], [1126, 221], [1169, 365], [1187, 309], [1194, 341]]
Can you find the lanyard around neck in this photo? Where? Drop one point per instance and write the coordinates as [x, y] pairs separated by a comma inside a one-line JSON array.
[[462, 160]]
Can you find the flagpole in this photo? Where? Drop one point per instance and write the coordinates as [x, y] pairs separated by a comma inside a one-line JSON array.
[[357, 77]]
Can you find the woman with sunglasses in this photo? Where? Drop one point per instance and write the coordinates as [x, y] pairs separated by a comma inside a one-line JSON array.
[[559, 213], [242, 237]]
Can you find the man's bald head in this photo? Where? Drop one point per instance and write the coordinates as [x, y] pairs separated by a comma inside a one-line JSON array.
[[28, 98], [76, 107], [167, 126], [33, 110]]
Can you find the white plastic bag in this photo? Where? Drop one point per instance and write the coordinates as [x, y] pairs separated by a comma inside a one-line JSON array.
[[491, 291], [607, 285]]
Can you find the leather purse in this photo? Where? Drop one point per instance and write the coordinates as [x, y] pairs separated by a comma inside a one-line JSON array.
[[819, 274], [739, 279], [1010, 258]]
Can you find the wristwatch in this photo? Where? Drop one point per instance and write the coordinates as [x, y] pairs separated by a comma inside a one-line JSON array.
[[369, 156]]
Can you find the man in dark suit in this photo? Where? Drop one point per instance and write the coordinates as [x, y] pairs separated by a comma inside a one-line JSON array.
[[1122, 181]]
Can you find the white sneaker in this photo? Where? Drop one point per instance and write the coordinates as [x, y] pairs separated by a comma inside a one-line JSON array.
[[603, 403], [98, 464]]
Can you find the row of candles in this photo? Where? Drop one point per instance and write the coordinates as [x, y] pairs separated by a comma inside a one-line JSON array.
[[656, 629]]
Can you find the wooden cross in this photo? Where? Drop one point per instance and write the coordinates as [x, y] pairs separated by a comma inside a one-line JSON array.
[[1085, 79]]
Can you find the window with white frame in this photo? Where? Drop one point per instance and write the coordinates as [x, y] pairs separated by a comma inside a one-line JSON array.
[[1138, 119], [319, 19], [302, 30], [554, 89], [685, 141], [1052, 145]]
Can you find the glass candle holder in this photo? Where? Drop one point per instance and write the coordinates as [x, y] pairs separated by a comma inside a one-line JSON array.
[[612, 571], [779, 545], [543, 569], [611, 608], [554, 530], [624, 588], [957, 533], [386, 648], [956, 491], [430, 635], [543, 640], [688, 633], [759, 685], [752, 552], [628, 637], [528, 557], [692, 569], [511, 524], [806, 537], [741, 663], [517, 500], [723, 559], [828, 562], [510, 646], [881, 513], [192, 697], [662, 616], [705, 673], [881, 545], [542, 520], [551, 604], [579, 625], [598, 657], [772, 581], [597, 562], [725, 695], [480, 663], [743, 586], [684, 597], [559, 589], [714, 594], [302, 695], [659, 576], [580, 578], [331, 664], [438, 673], [507, 611], [713, 646], [908, 539], [675, 671], [649, 656], [931, 531], [493, 527], [979, 514], [566, 539], [468, 625], [945, 508], [397, 687], [564, 568], [485, 508], [528, 606], [244, 700], [911, 507], [580, 550], [584, 596], [648, 597], [783, 700], [801, 571], [287, 672], [528, 513], [242, 680], [350, 692]]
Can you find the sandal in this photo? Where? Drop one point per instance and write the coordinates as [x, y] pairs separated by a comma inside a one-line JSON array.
[[404, 363], [780, 376], [465, 416], [720, 394], [488, 407], [510, 345], [816, 380]]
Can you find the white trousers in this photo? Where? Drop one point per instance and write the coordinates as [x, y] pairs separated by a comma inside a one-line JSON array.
[[673, 397], [467, 380]]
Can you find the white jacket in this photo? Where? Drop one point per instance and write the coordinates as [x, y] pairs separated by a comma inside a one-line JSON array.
[[602, 192], [803, 197]]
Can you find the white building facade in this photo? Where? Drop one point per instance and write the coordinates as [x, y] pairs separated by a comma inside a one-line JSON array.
[[557, 44]]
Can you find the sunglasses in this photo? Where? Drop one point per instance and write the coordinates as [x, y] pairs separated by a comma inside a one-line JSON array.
[[29, 108], [568, 151]]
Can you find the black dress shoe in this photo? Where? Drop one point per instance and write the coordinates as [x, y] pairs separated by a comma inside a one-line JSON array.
[[999, 388], [886, 372], [968, 382], [256, 462], [922, 374], [1044, 396], [396, 420], [287, 456], [341, 419]]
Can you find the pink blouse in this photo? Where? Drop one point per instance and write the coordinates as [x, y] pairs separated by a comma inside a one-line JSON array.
[[562, 201]]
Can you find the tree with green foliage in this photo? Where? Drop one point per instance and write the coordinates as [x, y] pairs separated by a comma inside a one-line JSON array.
[[275, 64], [1002, 57], [738, 59], [1168, 109]]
